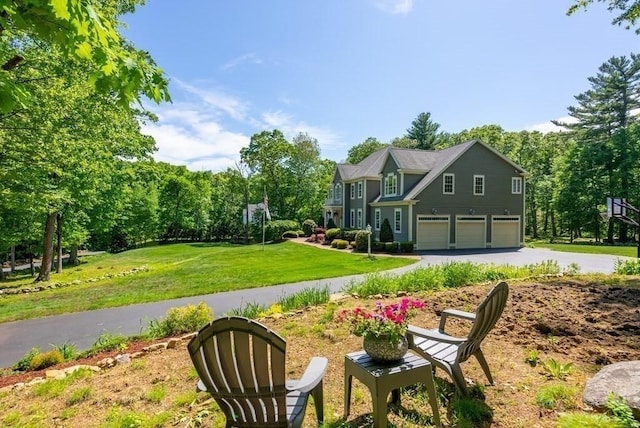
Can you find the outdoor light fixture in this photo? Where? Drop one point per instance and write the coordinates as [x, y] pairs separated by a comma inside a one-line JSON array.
[[506, 211], [471, 211], [434, 211]]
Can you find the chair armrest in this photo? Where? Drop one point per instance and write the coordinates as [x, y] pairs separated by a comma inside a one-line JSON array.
[[469, 316], [311, 377], [433, 335]]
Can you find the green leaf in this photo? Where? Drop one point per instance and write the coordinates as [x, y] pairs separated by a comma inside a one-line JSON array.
[[60, 9], [84, 50]]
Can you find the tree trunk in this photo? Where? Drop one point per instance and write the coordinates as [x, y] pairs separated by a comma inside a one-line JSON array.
[[59, 243], [610, 232], [73, 255], [554, 231], [47, 248], [31, 266], [13, 258]]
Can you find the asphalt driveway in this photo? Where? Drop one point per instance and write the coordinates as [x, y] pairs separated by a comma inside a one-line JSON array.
[[83, 328]]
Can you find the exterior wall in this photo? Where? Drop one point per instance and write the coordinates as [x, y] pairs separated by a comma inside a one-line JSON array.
[[410, 180], [389, 214], [497, 198], [372, 190]]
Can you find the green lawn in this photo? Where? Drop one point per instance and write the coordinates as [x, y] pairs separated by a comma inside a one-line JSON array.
[[615, 250], [184, 270]]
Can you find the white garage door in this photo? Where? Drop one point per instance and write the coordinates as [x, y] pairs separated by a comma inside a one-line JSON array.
[[471, 232], [505, 231], [433, 233]]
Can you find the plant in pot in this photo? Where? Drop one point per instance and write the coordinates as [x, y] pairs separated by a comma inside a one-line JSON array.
[[383, 328]]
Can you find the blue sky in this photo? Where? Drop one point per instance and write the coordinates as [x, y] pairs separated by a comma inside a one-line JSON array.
[[345, 70]]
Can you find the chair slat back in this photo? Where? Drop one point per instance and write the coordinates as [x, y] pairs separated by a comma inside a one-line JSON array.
[[487, 315], [242, 364]]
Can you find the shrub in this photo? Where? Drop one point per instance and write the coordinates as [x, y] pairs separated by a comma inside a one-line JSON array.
[[308, 227], [46, 359], [406, 247], [391, 247], [334, 243], [274, 230], [386, 234], [25, 362], [320, 230], [321, 221], [332, 234], [67, 349], [290, 234], [185, 319], [349, 234], [627, 267], [331, 224], [352, 244], [377, 246], [341, 244], [362, 240]]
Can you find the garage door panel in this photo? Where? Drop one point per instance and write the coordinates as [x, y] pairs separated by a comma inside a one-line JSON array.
[[471, 233], [433, 233], [505, 232]]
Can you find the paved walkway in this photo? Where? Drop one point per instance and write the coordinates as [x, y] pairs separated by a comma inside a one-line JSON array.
[[83, 328]]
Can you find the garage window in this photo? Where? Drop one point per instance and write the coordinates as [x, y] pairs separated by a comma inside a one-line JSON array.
[[516, 185], [478, 185], [448, 184]]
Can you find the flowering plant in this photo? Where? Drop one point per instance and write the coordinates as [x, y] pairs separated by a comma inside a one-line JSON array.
[[388, 321]]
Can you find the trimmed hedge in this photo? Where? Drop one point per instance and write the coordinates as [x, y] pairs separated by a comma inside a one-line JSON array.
[[362, 240], [274, 229], [308, 227], [391, 247], [386, 234], [290, 234], [332, 234], [341, 244], [406, 247]]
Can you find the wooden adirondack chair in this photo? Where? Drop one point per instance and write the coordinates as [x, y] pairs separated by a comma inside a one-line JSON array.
[[448, 352], [241, 363]]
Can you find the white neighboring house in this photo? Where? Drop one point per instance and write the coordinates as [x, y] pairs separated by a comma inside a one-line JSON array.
[[251, 208]]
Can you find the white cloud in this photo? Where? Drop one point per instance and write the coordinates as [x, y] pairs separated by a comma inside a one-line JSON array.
[[246, 58], [186, 136], [327, 139], [233, 106], [395, 7], [549, 126]]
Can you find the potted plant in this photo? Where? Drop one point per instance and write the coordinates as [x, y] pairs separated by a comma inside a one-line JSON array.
[[384, 328]]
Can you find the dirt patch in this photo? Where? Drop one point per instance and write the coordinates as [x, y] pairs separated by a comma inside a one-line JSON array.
[[575, 320]]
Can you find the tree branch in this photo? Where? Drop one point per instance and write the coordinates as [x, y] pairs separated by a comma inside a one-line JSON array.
[[12, 63]]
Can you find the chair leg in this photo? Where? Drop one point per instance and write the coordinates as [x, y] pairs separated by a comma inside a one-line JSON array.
[[317, 395], [458, 379], [483, 363]]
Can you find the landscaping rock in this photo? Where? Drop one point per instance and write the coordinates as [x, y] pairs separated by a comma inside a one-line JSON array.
[[123, 359], [55, 374], [106, 363], [623, 379], [172, 343], [155, 347]]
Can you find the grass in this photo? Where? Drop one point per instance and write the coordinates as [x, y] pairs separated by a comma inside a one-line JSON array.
[[182, 270], [614, 250]]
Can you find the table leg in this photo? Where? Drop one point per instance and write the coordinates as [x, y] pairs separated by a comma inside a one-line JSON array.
[[347, 394], [395, 397], [379, 400]]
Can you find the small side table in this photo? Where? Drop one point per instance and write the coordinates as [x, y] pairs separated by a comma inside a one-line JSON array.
[[382, 379]]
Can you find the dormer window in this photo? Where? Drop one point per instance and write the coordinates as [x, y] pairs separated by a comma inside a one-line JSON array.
[[338, 193], [391, 185]]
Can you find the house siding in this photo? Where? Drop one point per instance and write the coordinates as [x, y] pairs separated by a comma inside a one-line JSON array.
[[411, 180], [497, 198]]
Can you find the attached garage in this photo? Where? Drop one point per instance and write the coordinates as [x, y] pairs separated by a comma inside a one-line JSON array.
[[505, 231], [433, 232], [471, 232]]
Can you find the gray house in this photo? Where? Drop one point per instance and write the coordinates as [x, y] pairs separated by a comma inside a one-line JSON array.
[[465, 196]]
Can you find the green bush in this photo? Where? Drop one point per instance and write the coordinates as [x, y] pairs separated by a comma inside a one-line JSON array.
[[331, 224], [25, 362], [308, 227], [377, 245], [386, 234], [406, 247], [391, 247], [46, 359], [334, 243], [332, 234], [274, 229], [290, 234], [341, 244], [627, 267], [349, 234], [362, 240], [185, 319]]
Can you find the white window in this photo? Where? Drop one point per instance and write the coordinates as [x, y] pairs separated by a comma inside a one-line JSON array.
[[360, 190], [398, 220], [338, 192], [352, 218], [478, 185], [448, 184], [516, 185], [353, 190], [359, 218], [376, 219], [390, 185]]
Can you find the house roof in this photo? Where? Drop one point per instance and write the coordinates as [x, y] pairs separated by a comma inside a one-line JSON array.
[[431, 162]]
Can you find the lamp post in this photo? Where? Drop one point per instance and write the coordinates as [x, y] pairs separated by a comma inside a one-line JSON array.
[[369, 240]]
